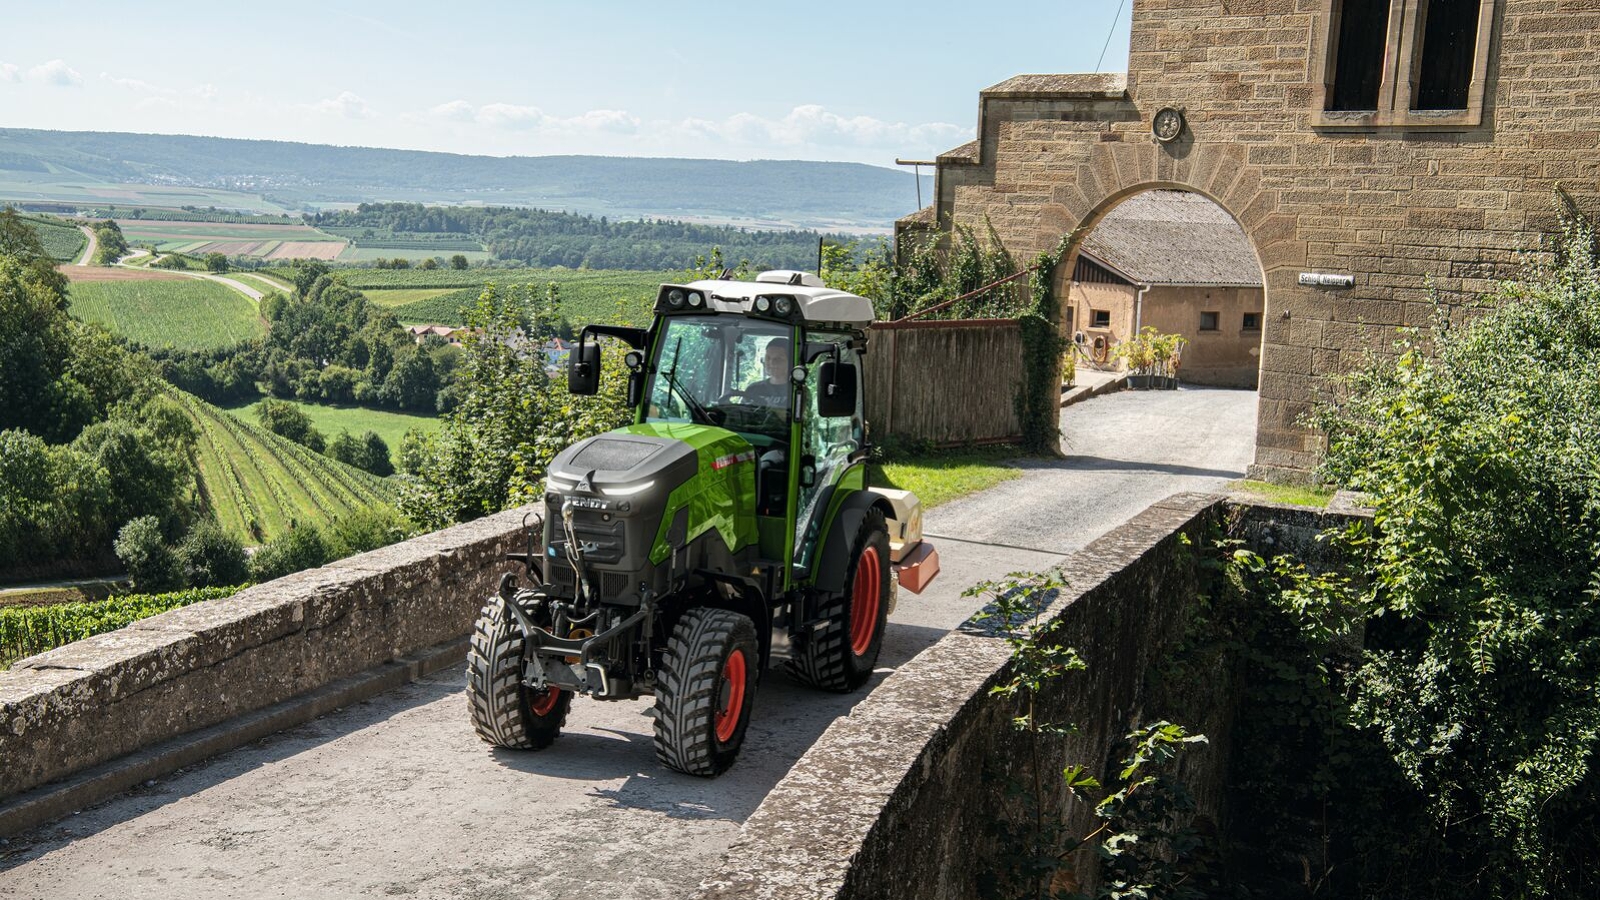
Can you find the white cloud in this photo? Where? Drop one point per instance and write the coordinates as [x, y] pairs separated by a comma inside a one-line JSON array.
[[152, 91], [812, 124], [56, 72], [513, 117], [459, 110], [9, 72], [346, 105]]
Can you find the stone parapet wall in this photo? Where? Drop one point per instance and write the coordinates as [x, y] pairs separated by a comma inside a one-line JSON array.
[[899, 799], [92, 701]]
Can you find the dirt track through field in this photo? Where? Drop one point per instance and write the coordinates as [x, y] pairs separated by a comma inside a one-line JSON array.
[[89, 248], [398, 796]]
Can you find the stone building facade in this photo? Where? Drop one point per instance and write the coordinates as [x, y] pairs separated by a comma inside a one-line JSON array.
[[1402, 147], [1176, 262]]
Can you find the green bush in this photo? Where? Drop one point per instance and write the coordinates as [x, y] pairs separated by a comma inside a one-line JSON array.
[[211, 556], [1478, 446], [302, 548], [366, 529], [151, 563]]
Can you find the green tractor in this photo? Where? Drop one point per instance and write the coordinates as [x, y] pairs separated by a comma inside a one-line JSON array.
[[730, 526]]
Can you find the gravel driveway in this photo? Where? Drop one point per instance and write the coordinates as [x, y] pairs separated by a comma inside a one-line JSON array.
[[396, 796]]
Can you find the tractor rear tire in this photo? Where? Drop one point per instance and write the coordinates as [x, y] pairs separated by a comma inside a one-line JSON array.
[[841, 654], [506, 712], [705, 690]]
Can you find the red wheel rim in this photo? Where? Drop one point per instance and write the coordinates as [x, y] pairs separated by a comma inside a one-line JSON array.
[[864, 601], [732, 696], [544, 702]]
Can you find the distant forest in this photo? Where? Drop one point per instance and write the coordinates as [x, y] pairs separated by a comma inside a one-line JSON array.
[[541, 238]]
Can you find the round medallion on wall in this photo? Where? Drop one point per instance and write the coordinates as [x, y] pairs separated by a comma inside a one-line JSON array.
[[1167, 124]]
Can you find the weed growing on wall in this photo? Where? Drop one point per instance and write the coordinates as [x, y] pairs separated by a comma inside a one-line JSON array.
[[1140, 836]]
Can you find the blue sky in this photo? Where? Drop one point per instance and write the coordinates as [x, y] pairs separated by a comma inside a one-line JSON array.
[[823, 80]]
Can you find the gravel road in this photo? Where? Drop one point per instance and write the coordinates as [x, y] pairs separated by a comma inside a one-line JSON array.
[[396, 796]]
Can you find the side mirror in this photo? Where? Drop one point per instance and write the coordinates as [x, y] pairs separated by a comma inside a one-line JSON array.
[[583, 370], [836, 390]]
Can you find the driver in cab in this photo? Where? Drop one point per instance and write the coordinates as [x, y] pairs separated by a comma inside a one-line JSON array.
[[773, 389]]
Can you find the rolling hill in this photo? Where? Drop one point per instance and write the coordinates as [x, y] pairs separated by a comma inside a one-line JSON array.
[[777, 193]]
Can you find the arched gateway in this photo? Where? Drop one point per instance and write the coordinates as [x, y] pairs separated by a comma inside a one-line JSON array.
[[1369, 179]]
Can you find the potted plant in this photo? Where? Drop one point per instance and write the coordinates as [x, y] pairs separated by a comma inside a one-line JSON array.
[[1152, 359]]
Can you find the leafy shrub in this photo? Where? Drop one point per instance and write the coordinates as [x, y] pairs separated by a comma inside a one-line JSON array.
[[1477, 445], [211, 556], [302, 548], [366, 529], [151, 563], [288, 420]]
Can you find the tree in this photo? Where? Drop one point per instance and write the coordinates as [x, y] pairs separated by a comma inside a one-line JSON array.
[[216, 262], [378, 461], [302, 548], [113, 246], [210, 556], [307, 274], [458, 262], [151, 563], [429, 264], [288, 420]]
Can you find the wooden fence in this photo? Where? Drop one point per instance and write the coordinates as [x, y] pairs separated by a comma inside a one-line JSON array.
[[948, 382]]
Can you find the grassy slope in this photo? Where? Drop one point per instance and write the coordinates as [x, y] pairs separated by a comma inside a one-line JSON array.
[[330, 420], [258, 484], [190, 314], [1284, 493]]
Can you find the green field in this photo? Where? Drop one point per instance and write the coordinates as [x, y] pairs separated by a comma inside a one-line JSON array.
[[368, 254], [402, 296], [330, 420], [259, 484], [70, 187], [188, 313], [268, 282], [62, 240], [587, 295]]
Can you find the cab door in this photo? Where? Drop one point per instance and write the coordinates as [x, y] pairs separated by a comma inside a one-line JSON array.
[[827, 450]]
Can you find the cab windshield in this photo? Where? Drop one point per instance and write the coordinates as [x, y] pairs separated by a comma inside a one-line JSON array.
[[723, 370]]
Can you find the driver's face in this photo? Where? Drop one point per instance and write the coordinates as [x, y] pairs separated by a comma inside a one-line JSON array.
[[776, 360]]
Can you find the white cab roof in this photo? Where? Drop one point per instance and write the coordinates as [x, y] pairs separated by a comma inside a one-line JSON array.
[[818, 302]]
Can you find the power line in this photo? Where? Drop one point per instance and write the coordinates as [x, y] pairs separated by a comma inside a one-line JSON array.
[[1114, 18]]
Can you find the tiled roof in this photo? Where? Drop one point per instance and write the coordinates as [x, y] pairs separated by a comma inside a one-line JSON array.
[[923, 216], [1175, 237]]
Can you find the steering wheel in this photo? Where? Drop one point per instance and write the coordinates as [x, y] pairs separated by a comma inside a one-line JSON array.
[[735, 394]]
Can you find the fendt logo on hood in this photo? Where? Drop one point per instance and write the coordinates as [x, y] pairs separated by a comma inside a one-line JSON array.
[[585, 485]]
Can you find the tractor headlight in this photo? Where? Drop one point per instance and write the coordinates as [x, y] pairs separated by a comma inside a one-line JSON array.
[[627, 490], [763, 304], [783, 306], [558, 485], [675, 298], [694, 298]]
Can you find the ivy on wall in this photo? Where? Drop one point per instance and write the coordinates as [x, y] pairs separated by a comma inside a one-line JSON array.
[[1038, 400]]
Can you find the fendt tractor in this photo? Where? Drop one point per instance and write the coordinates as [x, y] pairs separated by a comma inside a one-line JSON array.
[[731, 525]]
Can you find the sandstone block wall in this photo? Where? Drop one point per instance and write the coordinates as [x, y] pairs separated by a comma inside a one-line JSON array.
[[898, 799], [1409, 210]]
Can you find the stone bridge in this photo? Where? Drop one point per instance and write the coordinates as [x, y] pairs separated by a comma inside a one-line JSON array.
[[355, 771]]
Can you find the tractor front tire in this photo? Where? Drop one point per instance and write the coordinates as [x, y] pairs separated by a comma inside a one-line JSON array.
[[841, 654], [705, 690], [506, 712]]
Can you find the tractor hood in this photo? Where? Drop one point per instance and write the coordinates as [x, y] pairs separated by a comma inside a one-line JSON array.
[[677, 481], [642, 461]]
